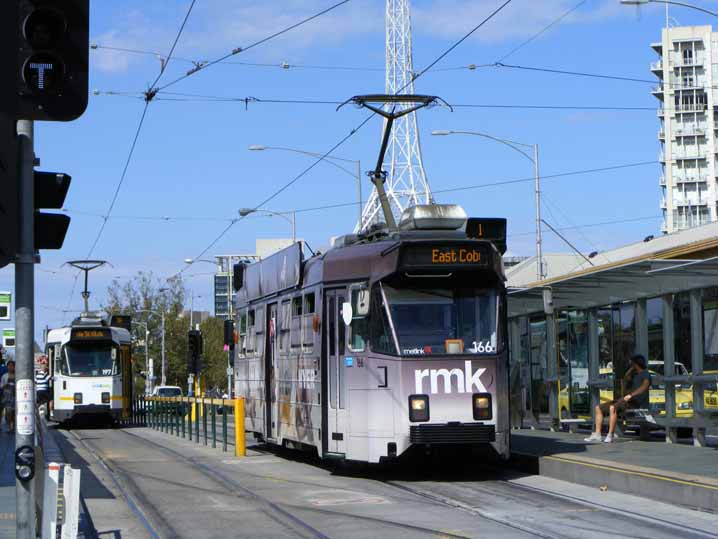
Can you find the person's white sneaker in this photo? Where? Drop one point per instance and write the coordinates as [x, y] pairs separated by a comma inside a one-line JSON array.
[[595, 437], [610, 438]]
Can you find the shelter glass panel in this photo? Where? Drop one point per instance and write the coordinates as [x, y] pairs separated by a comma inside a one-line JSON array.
[[605, 352], [539, 393], [710, 337]]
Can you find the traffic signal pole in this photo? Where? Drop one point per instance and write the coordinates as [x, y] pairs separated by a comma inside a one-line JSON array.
[[25, 328]]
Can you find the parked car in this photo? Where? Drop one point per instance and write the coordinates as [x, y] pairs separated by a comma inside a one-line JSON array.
[[167, 391]]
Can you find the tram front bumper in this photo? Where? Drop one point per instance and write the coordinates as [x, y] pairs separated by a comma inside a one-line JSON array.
[[452, 433]]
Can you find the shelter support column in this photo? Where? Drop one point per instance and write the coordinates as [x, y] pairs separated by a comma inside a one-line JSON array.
[[516, 385], [641, 328], [699, 433], [593, 360], [669, 354], [552, 370]]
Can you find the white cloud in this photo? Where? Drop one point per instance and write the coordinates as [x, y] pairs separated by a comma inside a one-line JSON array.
[[521, 19], [218, 26]]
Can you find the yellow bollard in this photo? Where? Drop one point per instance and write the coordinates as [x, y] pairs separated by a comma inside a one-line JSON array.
[[240, 442]]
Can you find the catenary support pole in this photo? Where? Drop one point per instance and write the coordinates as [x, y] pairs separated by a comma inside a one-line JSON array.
[[25, 328], [540, 274]]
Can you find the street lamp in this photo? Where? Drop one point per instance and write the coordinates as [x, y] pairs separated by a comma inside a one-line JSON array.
[[243, 212], [190, 261], [163, 376], [667, 2], [329, 159], [148, 366], [537, 193]]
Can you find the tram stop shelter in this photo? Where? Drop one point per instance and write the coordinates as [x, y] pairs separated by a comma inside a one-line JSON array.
[[571, 338]]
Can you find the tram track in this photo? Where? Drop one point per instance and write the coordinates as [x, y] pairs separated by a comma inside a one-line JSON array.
[[151, 518], [223, 478]]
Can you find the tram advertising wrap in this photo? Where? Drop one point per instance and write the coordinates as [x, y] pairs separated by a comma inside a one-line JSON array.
[[385, 342]]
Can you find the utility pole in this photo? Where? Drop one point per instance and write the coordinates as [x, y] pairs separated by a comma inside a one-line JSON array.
[[537, 191], [163, 374], [25, 327]]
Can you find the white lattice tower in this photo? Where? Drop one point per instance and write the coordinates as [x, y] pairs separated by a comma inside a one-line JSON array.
[[406, 183]]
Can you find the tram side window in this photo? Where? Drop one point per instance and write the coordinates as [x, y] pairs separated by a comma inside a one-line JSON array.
[[285, 316], [308, 322], [296, 326], [380, 332], [359, 328], [249, 340], [242, 329]]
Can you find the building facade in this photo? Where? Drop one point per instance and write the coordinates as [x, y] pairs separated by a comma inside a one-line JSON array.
[[687, 71]]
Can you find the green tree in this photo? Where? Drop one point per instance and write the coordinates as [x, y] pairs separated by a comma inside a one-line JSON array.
[[145, 298], [215, 358]]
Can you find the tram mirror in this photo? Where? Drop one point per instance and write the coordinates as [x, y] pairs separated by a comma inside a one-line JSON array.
[[360, 301], [347, 313]]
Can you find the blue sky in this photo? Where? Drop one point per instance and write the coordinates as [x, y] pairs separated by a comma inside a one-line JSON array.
[[191, 160]]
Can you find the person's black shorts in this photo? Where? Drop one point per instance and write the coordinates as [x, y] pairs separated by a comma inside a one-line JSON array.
[[43, 396]]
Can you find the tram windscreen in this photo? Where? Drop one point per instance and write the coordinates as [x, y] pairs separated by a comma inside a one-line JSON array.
[[443, 321], [89, 359]]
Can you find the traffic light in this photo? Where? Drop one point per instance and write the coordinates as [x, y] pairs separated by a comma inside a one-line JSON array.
[[229, 333], [50, 192], [52, 64], [9, 218], [194, 351]]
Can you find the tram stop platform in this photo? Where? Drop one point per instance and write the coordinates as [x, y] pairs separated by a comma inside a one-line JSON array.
[[674, 473]]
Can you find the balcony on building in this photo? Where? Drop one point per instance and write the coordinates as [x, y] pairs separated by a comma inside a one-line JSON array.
[[664, 227], [688, 154], [662, 180], [663, 203], [657, 66], [661, 112], [689, 131], [693, 107], [657, 46], [657, 90]]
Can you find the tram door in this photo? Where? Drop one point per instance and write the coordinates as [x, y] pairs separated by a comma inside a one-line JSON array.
[[335, 336], [270, 372]]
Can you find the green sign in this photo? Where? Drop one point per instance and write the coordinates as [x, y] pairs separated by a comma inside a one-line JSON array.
[[8, 338], [5, 305]]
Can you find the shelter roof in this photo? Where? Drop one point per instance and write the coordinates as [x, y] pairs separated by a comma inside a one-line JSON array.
[[624, 282]]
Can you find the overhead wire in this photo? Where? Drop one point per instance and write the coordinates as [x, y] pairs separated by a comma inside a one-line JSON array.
[[203, 66], [348, 136], [543, 30], [135, 138]]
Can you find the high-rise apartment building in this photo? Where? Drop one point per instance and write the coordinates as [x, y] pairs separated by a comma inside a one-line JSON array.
[[687, 70]]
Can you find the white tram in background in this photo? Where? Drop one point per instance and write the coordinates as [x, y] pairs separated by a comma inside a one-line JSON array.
[[90, 364], [390, 339]]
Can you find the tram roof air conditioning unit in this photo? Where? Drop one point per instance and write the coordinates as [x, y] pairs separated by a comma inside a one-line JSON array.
[[433, 217]]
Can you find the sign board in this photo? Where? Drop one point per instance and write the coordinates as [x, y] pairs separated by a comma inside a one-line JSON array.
[[5, 305], [439, 255], [8, 337]]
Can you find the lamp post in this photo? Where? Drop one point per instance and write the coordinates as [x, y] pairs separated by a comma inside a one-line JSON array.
[[329, 159], [163, 374], [540, 273], [190, 261], [148, 366], [243, 212], [667, 3]]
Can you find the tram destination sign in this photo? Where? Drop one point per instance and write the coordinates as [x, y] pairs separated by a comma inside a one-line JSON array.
[[91, 334], [439, 255]]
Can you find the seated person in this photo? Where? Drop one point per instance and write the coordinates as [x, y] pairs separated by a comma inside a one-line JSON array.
[[640, 381]]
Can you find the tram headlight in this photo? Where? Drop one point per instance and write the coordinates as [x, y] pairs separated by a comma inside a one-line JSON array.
[[77, 398], [418, 408], [481, 403], [105, 398]]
